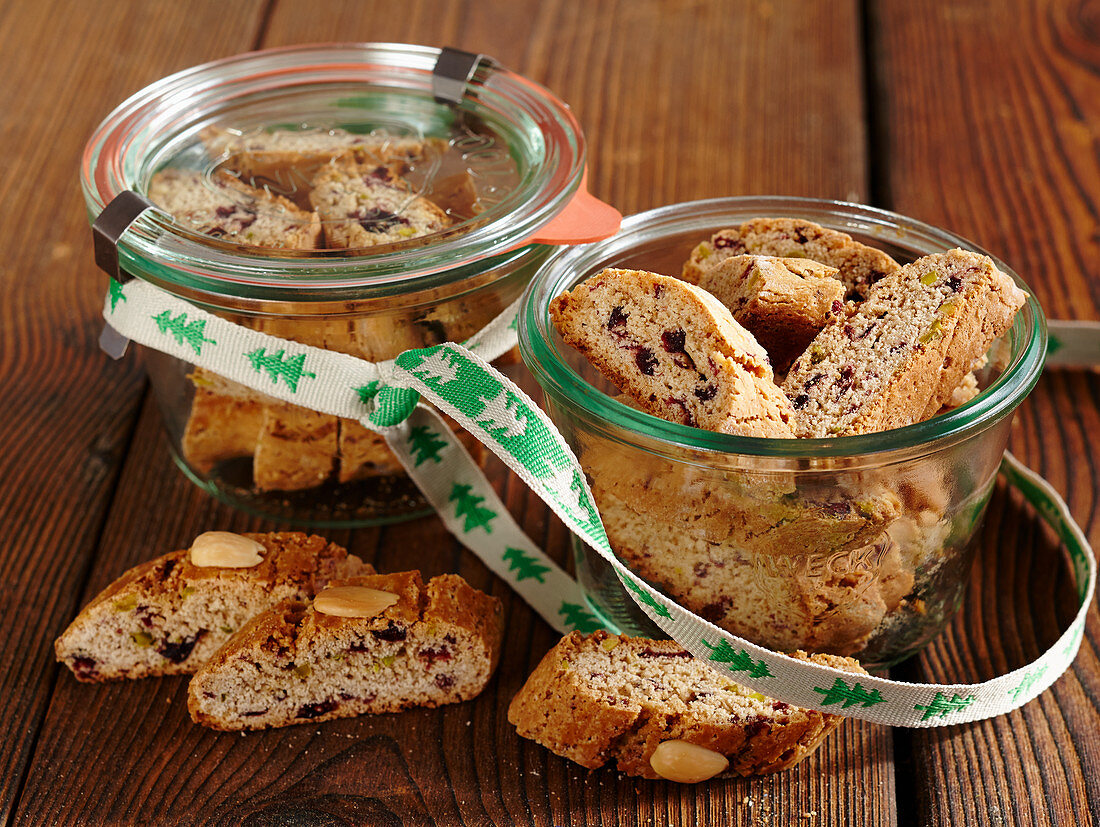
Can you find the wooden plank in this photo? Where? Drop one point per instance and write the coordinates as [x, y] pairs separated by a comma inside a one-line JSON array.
[[68, 411], [679, 101], [987, 113]]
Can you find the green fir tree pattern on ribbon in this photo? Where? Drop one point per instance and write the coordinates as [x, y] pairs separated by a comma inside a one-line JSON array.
[[114, 290], [1029, 681], [368, 391], [737, 660], [425, 444], [942, 705], [468, 505], [525, 565], [291, 369], [846, 696], [578, 618], [1074, 639], [646, 598], [184, 332], [514, 324]]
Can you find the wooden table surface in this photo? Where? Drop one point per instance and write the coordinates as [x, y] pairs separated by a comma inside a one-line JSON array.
[[981, 116]]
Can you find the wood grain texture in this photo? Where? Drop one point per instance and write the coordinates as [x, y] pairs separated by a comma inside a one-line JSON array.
[[680, 99], [998, 144], [68, 412]]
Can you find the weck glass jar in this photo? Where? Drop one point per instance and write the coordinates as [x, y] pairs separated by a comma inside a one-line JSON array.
[[856, 545], [334, 196]]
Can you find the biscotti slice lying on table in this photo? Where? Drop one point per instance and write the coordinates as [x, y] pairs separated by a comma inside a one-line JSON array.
[[363, 206], [167, 616], [220, 205], [647, 703], [674, 349], [901, 353], [380, 643], [859, 266], [783, 302]]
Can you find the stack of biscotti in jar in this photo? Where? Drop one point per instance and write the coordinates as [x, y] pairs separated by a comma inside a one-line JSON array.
[[308, 190], [783, 329], [284, 628]]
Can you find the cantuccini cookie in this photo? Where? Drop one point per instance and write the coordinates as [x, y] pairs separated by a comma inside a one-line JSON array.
[[167, 616], [781, 595], [379, 643], [901, 352], [859, 266], [220, 205], [783, 302], [363, 206], [614, 698], [675, 349], [286, 160]]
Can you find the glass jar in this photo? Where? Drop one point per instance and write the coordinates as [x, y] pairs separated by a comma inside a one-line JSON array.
[[453, 207], [855, 545]]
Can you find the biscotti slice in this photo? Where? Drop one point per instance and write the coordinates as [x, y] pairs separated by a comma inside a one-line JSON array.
[[289, 158], [783, 302], [363, 453], [296, 448], [219, 428], [674, 349], [222, 206], [859, 266], [614, 698], [363, 206], [904, 349], [770, 595], [396, 643], [169, 615]]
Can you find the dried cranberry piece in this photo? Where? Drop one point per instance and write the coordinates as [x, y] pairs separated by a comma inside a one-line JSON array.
[[618, 317], [253, 713], [377, 220], [444, 681], [685, 412], [449, 639], [779, 706], [813, 380], [84, 667], [799, 402], [646, 361], [316, 710], [955, 283], [717, 610], [706, 394], [673, 340], [432, 654], [167, 570], [849, 331], [725, 243], [224, 211], [181, 651], [392, 633], [700, 569], [838, 509], [800, 235], [837, 307], [755, 728]]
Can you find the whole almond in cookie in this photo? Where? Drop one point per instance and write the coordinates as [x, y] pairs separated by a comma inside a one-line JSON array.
[[675, 349]]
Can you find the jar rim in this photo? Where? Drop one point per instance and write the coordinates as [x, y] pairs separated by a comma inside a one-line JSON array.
[[155, 247], [540, 351]]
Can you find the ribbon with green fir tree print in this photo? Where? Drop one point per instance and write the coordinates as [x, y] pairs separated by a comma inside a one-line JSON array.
[[389, 397]]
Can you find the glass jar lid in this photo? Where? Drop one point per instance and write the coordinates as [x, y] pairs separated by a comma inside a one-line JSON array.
[[335, 171]]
